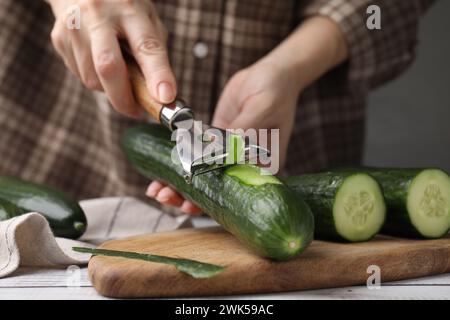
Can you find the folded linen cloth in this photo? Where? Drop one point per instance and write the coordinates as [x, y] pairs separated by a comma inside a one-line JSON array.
[[27, 240]]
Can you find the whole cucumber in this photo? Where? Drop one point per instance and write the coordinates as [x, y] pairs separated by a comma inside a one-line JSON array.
[[418, 201], [258, 209], [65, 216], [347, 206], [9, 210]]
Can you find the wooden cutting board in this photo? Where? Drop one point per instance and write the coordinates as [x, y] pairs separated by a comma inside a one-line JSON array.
[[322, 265]]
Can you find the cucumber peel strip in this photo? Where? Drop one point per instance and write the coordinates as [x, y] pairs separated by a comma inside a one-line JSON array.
[[195, 269], [235, 149], [9, 210]]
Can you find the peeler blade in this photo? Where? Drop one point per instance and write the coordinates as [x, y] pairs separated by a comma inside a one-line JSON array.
[[202, 148]]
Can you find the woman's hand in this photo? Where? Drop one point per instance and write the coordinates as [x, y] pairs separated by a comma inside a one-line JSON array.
[[261, 96], [264, 95], [93, 54]]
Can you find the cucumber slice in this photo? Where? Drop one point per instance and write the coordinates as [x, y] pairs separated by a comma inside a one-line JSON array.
[[359, 210], [428, 203], [418, 201], [347, 206]]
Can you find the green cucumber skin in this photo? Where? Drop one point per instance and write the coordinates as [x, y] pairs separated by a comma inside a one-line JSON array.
[[263, 217], [9, 210], [319, 191], [65, 216], [395, 184]]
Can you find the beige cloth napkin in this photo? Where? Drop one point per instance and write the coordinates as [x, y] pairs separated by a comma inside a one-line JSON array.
[[28, 241]]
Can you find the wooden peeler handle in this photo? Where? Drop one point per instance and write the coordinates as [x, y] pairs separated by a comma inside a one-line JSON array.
[[139, 87], [168, 115]]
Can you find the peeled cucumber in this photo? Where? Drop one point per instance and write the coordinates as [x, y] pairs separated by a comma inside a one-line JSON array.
[[258, 209]]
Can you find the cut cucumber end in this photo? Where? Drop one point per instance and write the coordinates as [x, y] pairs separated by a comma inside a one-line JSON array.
[[252, 175], [292, 245], [359, 209], [290, 248], [79, 226], [428, 203]]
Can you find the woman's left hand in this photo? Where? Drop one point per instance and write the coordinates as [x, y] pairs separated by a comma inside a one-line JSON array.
[[262, 96]]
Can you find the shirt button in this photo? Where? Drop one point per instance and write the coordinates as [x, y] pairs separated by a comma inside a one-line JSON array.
[[200, 50]]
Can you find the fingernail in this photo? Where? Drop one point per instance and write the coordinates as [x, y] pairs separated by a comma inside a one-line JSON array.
[[162, 199], [187, 207], [163, 195], [165, 92], [151, 192]]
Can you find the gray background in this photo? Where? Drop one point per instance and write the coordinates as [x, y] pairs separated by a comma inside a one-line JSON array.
[[409, 118]]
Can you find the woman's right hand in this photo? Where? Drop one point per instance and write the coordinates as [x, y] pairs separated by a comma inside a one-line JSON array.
[[92, 52]]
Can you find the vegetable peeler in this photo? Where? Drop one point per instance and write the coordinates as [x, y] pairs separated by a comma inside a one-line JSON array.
[[200, 148]]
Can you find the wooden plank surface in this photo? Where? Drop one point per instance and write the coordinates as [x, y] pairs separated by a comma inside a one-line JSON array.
[[51, 284], [29, 283], [323, 265]]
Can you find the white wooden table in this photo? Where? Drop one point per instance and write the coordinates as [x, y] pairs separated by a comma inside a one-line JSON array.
[[30, 283], [74, 284]]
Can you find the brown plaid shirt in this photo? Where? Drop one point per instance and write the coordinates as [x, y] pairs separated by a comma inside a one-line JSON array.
[[53, 130]]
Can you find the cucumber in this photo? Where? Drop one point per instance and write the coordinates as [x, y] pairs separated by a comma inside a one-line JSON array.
[[258, 209], [418, 201], [346, 206], [9, 210], [65, 216]]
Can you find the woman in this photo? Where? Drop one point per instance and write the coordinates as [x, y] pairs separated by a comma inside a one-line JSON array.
[[304, 67]]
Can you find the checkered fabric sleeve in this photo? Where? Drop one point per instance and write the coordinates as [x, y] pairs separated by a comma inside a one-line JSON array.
[[55, 131], [377, 55]]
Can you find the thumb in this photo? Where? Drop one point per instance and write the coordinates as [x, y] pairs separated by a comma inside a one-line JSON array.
[[228, 109], [225, 113], [222, 117], [245, 120], [251, 115]]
